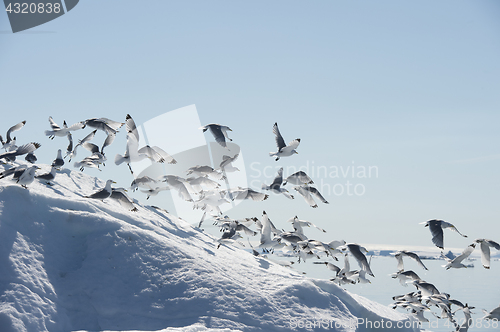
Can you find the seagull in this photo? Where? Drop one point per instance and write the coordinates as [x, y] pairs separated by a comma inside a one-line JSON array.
[[197, 184], [153, 191], [205, 171], [468, 321], [104, 124], [180, 185], [399, 256], [28, 176], [283, 149], [61, 132], [23, 149], [247, 193], [304, 223], [298, 178], [134, 154], [11, 141], [59, 161], [15, 171], [306, 192], [87, 138], [219, 132], [226, 163], [120, 195], [436, 227], [456, 263], [48, 177], [493, 314], [485, 250], [276, 187], [405, 277], [425, 288], [143, 182], [103, 193], [229, 235], [31, 158], [355, 250], [265, 236]]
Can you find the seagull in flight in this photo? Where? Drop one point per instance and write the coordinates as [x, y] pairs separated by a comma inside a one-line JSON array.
[[276, 187], [284, 150], [23, 149], [298, 178], [485, 250], [306, 192], [399, 256], [436, 227], [11, 142], [456, 263], [357, 251], [219, 132]]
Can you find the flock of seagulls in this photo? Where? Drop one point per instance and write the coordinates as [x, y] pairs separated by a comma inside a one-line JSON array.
[[201, 186]]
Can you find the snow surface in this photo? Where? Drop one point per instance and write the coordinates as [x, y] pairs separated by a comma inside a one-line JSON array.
[[69, 263]]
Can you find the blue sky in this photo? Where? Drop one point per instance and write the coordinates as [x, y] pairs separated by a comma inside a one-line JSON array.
[[408, 87]]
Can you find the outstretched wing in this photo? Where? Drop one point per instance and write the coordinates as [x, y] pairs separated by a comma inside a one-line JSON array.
[[280, 142]]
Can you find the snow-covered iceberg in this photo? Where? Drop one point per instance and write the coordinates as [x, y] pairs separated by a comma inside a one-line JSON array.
[[71, 263]]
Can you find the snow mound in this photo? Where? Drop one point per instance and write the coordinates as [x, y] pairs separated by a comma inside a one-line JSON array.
[[72, 263]]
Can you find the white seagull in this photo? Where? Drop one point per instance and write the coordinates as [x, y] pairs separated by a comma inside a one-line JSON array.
[[298, 178], [103, 193], [283, 149], [61, 132], [10, 142], [399, 257], [356, 251], [28, 176], [485, 250], [306, 192], [456, 263]]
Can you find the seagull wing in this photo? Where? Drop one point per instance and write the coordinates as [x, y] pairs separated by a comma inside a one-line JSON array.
[[307, 196], [14, 128], [131, 128], [165, 156], [278, 179], [91, 147], [26, 148], [417, 258], [466, 253], [53, 125], [316, 193], [109, 139], [485, 254], [399, 258], [361, 258], [123, 199], [255, 195], [280, 142], [437, 233], [218, 134]]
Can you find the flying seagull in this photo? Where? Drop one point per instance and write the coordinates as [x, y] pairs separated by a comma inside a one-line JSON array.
[[298, 178], [276, 187], [103, 193], [356, 251], [399, 256], [436, 227], [134, 154], [10, 142], [61, 132], [283, 149], [456, 263], [219, 132], [306, 192], [485, 250], [87, 138]]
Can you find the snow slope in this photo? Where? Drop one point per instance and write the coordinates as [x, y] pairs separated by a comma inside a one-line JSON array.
[[71, 263]]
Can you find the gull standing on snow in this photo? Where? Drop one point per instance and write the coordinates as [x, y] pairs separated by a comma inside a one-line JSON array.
[[59, 161], [120, 195], [306, 192], [48, 177], [436, 227], [219, 132], [399, 257], [28, 176], [456, 263], [134, 154], [485, 250], [104, 192], [10, 142], [283, 149], [276, 187]]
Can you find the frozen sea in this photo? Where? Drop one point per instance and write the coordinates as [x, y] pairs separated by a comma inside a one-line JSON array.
[[476, 286]]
